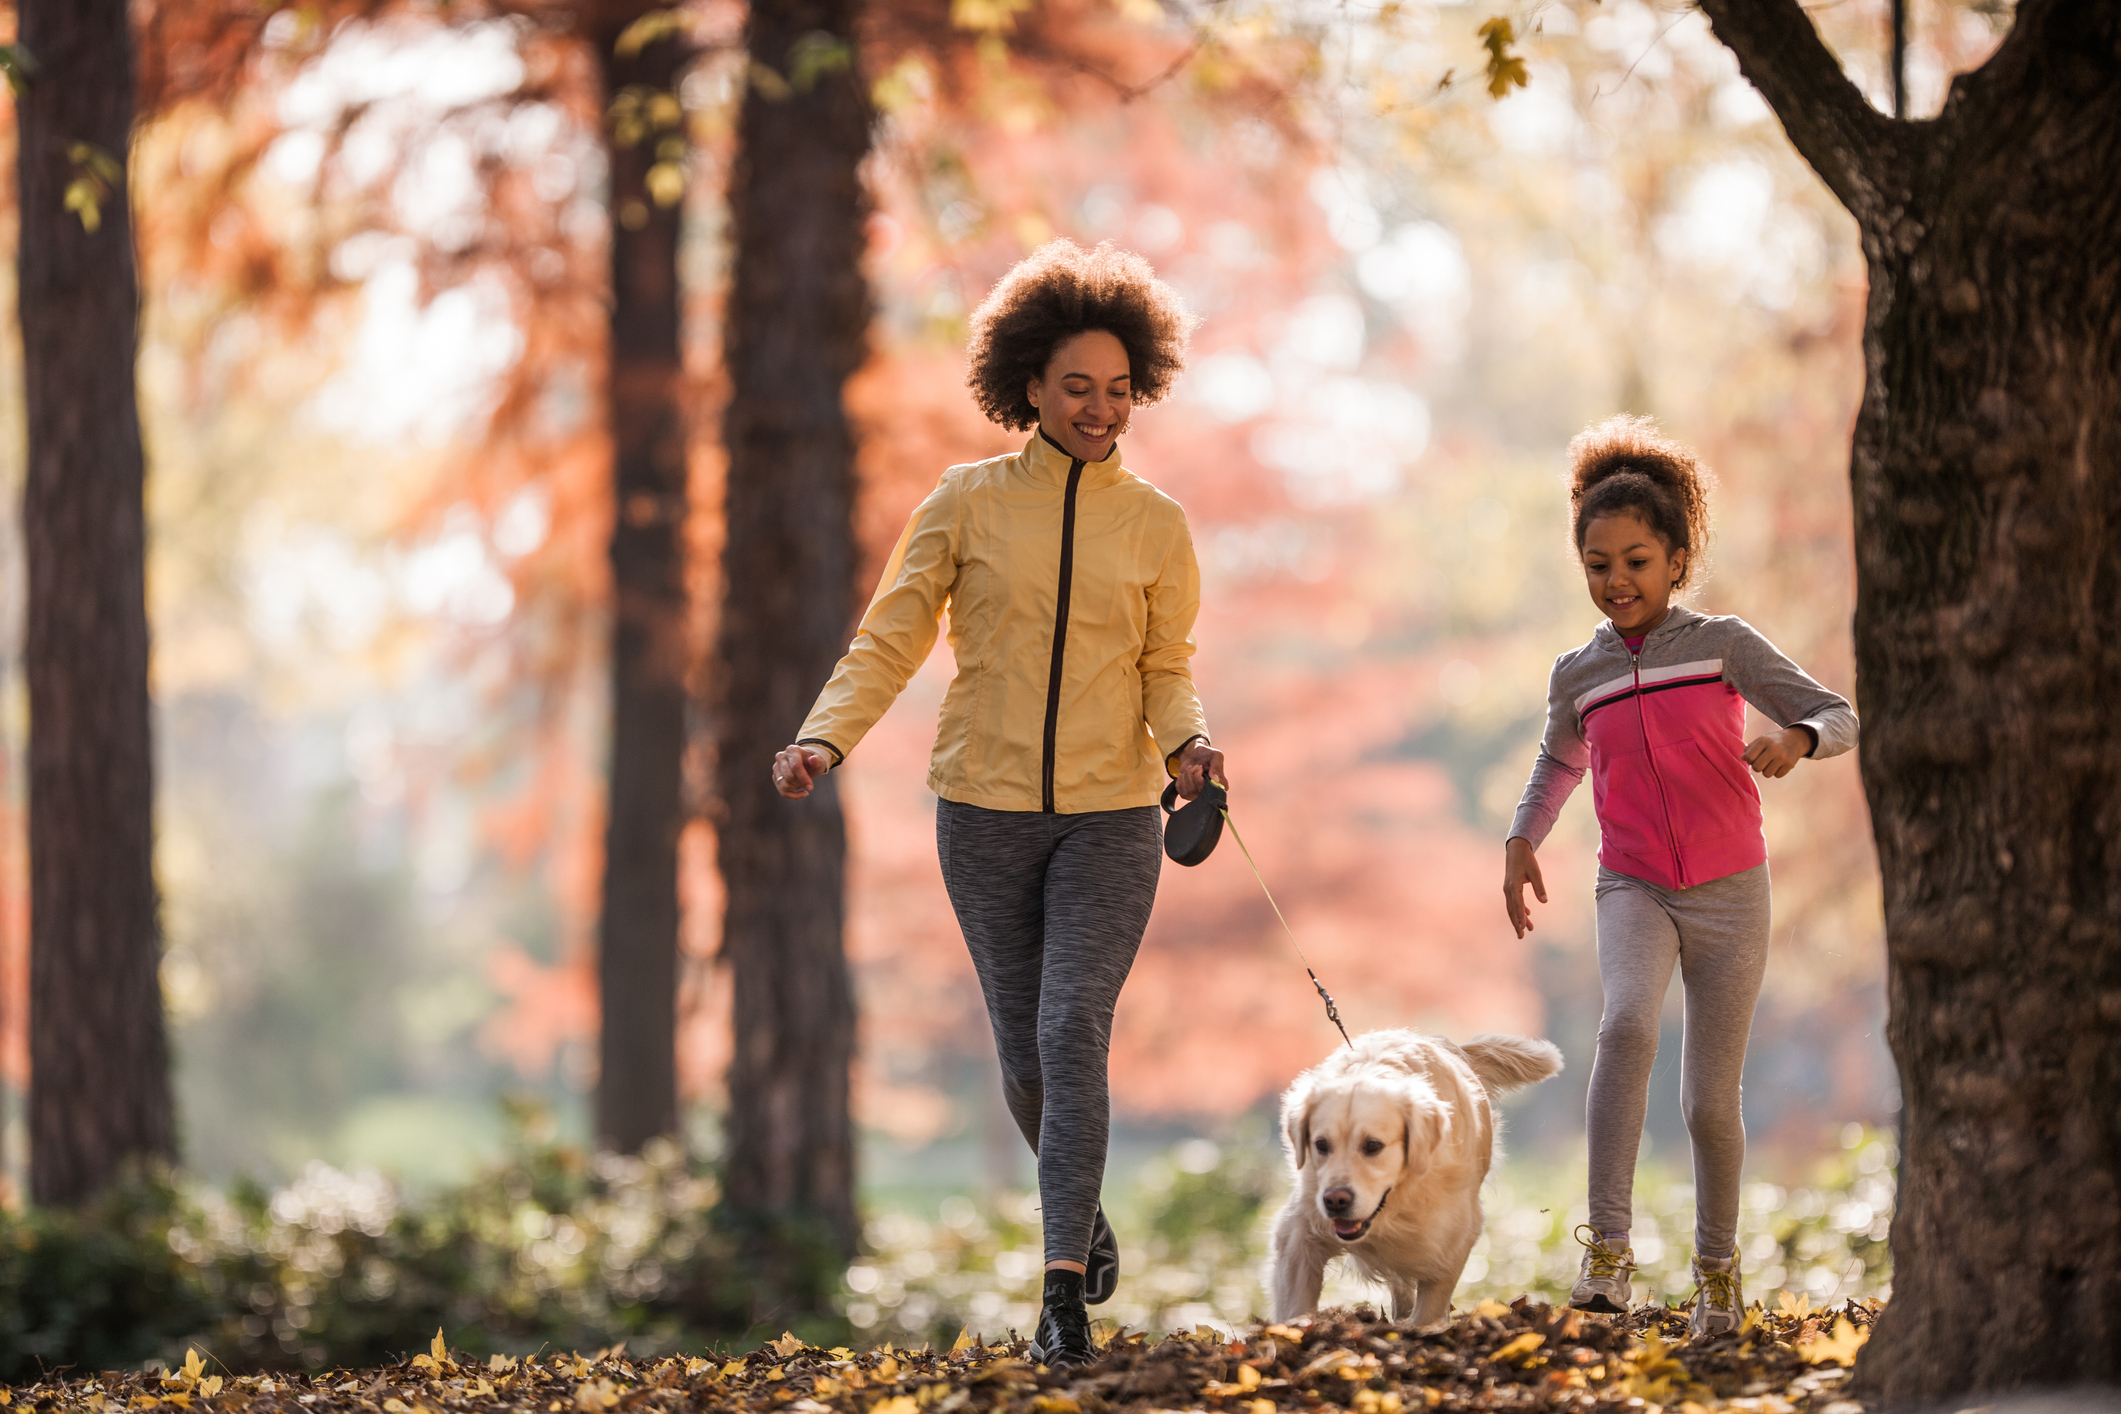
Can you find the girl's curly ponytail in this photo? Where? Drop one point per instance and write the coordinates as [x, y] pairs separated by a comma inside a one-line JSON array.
[[1625, 466]]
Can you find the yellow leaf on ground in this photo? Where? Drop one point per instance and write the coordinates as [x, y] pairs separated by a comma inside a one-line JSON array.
[[193, 1365], [499, 1363], [789, 1344], [1055, 1403], [1284, 1333], [209, 1387], [887, 1368], [1490, 1307], [1838, 1346], [1248, 1377], [439, 1349], [963, 1341], [896, 1404], [595, 1395], [733, 1368], [1260, 1406], [1799, 1306], [1519, 1348]]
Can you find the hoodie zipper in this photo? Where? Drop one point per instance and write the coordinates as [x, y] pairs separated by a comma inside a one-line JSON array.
[[1642, 713], [1060, 627]]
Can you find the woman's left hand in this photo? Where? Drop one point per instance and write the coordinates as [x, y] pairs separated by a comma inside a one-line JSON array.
[[1199, 763]]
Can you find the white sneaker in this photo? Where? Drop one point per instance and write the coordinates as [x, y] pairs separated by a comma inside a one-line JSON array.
[[1607, 1277], [1719, 1303]]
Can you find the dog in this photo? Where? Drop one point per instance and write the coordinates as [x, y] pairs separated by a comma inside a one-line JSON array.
[[1390, 1139]]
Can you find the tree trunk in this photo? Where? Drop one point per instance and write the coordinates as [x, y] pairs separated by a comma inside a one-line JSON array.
[[1987, 481], [637, 957], [99, 1062], [797, 323]]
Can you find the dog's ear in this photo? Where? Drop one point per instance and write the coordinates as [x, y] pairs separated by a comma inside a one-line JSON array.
[[1296, 1124], [1425, 1124]]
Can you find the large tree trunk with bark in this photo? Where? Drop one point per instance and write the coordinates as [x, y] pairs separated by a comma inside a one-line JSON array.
[[99, 1061], [797, 327], [1987, 480], [637, 955]]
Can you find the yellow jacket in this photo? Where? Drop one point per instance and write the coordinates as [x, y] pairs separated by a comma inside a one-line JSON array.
[[1072, 591]]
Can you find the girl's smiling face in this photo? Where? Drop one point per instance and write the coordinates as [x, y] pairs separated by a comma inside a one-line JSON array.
[[1630, 572], [1086, 393]]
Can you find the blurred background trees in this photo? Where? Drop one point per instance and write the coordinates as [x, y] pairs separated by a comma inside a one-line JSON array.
[[99, 1092]]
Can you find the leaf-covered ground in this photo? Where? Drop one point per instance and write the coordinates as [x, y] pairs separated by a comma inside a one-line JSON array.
[[1528, 1356]]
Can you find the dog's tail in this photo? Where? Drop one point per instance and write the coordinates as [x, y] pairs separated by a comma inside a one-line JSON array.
[[1506, 1063]]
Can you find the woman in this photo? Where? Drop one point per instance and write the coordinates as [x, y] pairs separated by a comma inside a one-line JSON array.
[[1072, 589]]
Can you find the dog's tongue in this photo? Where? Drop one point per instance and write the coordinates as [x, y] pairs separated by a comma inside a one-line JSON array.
[[1347, 1227]]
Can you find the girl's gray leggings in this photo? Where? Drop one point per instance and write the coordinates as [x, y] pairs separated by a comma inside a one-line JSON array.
[[1717, 933], [1053, 908]]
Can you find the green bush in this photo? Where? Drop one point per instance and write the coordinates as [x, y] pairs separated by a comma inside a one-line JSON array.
[[551, 1248]]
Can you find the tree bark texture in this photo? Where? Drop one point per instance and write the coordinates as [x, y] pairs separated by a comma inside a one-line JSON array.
[[99, 1060], [1987, 482], [637, 956], [797, 326]]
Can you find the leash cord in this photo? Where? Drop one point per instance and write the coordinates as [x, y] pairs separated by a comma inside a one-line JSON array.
[[1332, 1011]]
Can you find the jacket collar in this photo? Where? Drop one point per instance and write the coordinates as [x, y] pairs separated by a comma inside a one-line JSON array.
[[1047, 464], [1676, 618]]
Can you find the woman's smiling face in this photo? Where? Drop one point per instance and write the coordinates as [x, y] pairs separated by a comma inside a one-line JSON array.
[[1630, 572], [1085, 394]]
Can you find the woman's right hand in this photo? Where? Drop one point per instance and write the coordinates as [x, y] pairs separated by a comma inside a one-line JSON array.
[[1520, 868], [796, 769]]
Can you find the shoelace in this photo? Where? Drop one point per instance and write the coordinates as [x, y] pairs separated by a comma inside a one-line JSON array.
[[1605, 1261], [1719, 1289]]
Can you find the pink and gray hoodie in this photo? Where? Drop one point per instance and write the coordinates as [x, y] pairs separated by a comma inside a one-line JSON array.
[[1663, 732]]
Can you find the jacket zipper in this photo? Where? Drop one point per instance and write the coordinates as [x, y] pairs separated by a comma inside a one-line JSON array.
[[1060, 626], [1642, 714]]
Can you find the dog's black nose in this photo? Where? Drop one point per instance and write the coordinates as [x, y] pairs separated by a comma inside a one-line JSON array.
[[1337, 1201]]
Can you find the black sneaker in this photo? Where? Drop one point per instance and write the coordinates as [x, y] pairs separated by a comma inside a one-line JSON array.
[[1063, 1336], [1102, 1278]]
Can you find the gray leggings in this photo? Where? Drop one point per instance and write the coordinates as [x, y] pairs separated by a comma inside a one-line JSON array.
[[1053, 908], [1718, 934]]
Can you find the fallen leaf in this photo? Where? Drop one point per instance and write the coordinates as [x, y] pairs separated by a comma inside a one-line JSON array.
[[789, 1344], [1838, 1346], [896, 1404], [1519, 1348], [1492, 1308]]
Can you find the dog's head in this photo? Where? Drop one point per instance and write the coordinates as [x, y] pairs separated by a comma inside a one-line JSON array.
[[1363, 1136]]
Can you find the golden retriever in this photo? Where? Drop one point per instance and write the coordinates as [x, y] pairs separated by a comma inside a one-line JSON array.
[[1391, 1138]]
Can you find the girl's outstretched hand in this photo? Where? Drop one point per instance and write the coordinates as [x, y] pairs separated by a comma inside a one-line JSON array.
[[1520, 867], [1777, 754]]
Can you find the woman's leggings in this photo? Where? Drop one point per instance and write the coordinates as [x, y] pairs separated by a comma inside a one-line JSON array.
[[1718, 934], [1053, 908]]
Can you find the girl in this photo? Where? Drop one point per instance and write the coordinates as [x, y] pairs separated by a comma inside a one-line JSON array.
[[1654, 704], [1072, 589]]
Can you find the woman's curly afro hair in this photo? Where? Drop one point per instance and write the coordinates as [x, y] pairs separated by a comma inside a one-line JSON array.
[[1625, 466], [1061, 290]]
